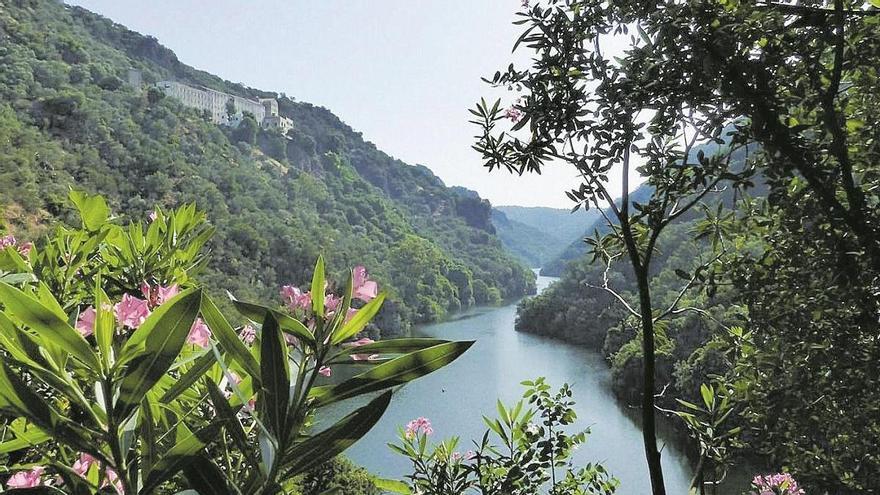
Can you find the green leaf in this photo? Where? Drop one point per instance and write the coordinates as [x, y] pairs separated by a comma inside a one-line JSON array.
[[257, 314], [318, 287], [229, 415], [392, 346], [206, 478], [12, 261], [16, 395], [105, 322], [229, 340], [708, 396], [24, 439], [274, 397], [52, 330], [184, 452], [336, 439], [393, 373], [359, 320], [92, 209], [167, 329], [190, 377]]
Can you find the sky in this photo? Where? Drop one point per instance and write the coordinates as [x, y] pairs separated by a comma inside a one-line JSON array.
[[402, 72]]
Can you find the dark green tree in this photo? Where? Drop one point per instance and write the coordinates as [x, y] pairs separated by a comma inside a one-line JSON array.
[[578, 105]]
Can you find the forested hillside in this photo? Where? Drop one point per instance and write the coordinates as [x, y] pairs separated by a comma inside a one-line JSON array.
[[576, 249], [538, 235], [67, 119]]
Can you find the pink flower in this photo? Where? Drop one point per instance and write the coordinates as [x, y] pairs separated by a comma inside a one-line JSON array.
[[417, 426], [364, 288], [25, 249], [332, 302], [11, 241], [85, 324], [8, 241], [199, 334], [248, 334], [26, 479], [361, 357], [359, 342], [83, 464], [325, 371], [131, 311], [291, 340], [232, 378], [776, 484], [113, 480], [295, 298], [157, 294], [350, 314], [153, 215], [364, 357], [513, 114]]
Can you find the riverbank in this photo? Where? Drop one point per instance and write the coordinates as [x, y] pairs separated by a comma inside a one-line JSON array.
[[455, 399]]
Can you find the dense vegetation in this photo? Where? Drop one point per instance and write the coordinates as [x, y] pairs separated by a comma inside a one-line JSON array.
[[766, 309], [119, 374], [538, 235], [67, 118]]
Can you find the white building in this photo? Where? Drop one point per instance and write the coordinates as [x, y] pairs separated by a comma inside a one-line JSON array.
[[224, 108]]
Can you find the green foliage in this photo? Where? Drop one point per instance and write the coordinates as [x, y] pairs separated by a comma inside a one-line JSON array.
[[797, 80], [162, 394], [533, 454], [276, 202]]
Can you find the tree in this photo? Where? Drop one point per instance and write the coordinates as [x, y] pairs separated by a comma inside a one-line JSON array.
[[798, 81], [578, 106]]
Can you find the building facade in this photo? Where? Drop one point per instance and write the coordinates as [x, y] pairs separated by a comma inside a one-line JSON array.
[[227, 109]]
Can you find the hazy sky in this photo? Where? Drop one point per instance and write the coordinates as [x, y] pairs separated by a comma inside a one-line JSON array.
[[403, 72]]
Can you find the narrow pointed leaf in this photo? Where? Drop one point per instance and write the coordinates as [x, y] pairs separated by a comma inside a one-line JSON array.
[[229, 340], [393, 373], [318, 287], [184, 452], [359, 320], [190, 377], [167, 328], [257, 314], [275, 376], [51, 329], [336, 439]]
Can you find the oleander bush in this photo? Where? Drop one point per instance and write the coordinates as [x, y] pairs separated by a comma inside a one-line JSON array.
[[120, 374]]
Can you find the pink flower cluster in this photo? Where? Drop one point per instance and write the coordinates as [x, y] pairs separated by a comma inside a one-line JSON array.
[[417, 426], [776, 484], [85, 462], [10, 241], [26, 479], [362, 288], [131, 312], [513, 114], [34, 477]]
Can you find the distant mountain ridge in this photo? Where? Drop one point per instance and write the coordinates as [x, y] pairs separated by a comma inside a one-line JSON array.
[[538, 235]]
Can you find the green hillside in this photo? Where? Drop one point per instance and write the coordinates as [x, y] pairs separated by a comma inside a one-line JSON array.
[[67, 119], [538, 235]]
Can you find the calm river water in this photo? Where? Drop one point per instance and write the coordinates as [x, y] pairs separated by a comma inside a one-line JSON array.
[[456, 397]]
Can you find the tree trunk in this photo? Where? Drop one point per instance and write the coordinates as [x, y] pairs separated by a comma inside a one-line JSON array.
[[649, 423]]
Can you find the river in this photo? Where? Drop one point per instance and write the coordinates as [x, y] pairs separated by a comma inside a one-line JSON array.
[[456, 397]]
